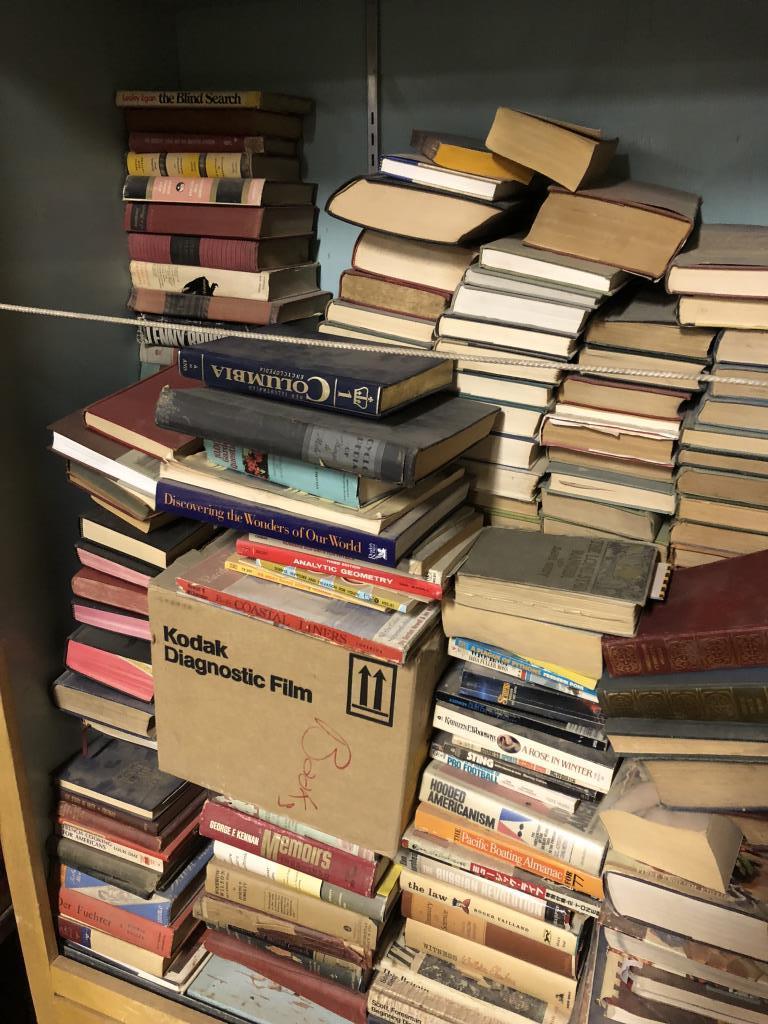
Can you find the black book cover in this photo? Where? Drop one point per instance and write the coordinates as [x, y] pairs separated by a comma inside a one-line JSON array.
[[440, 427], [168, 539], [128, 773], [75, 682]]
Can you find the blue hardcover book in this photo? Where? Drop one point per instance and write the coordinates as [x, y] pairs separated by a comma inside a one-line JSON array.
[[343, 488], [234, 989], [360, 383], [385, 548], [159, 907]]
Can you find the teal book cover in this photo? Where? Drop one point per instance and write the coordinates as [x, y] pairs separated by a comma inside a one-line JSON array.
[[237, 990], [303, 476]]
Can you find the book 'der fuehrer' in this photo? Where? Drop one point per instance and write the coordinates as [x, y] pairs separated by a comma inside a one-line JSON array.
[[420, 646]]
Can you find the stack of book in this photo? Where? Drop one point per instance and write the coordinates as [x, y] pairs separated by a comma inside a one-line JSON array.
[[302, 908], [686, 878], [220, 225], [613, 437], [502, 863], [517, 302], [520, 302], [422, 220], [113, 451], [354, 547], [723, 503], [132, 864]]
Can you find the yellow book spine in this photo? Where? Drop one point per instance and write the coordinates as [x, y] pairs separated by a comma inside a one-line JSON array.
[[189, 165], [489, 165]]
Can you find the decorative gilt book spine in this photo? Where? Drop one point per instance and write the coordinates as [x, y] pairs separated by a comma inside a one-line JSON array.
[[686, 652], [701, 703]]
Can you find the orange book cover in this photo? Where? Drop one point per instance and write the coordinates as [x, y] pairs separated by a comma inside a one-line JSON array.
[[503, 848]]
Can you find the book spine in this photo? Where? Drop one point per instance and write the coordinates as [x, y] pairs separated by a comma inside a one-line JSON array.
[[238, 886], [282, 971], [257, 549], [113, 813], [353, 451], [326, 966], [178, 189], [188, 165], [300, 829], [191, 251], [454, 996], [213, 121], [349, 394], [99, 842], [542, 757], [85, 818], [513, 783], [369, 906], [296, 623], [500, 661], [163, 142], [685, 652], [300, 852], [176, 335], [383, 1006], [189, 873], [454, 921], [134, 878], [248, 98], [202, 307], [506, 849], [175, 279], [272, 931], [433, 856], [116, 922], [519, 897], [210, 221], [451, 897], [246, 516], [536, 700], [473, 959], [158, 909], [695, 703], [323, 483]]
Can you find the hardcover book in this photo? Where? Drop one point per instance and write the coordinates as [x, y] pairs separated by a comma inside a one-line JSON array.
[[123, 662], [105, 616], [79, 695], [358, 383], [403, 448], [263, 285], [222, 307], [725, 260], [159, 548], [225, 253], [211, 164], [125, 776], [219, 221], [399, 208], [391, 296], [470, 156], [714, 617], [224, 191], [107, 589], [216, 99], [632, 225], [209, 120], [181, 142], [409, 261]]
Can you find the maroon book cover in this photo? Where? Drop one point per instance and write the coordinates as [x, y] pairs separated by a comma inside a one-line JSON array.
[[254, 835], [98, 586], [179, 142], [219, 253], [219, 221], [94, 821], [714, 616], [283, 971], [226, 308], [128, 416], [213, 121]]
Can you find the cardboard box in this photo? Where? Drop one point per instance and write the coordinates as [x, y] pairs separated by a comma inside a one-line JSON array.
[[288, 721]]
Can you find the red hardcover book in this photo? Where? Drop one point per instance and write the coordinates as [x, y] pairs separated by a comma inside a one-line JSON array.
[[246, 832], [114, 660], [179, 142], [136, 851], [98, 586], [219, 253], [283, 971], [714, 616], [122, 832], [219, 221], [140, 931], [213, 121], [128, 416], [223, 307], [114, 563], [302, 559]]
